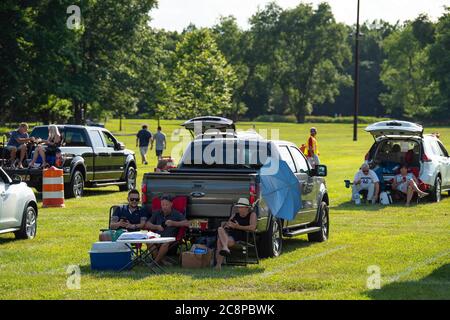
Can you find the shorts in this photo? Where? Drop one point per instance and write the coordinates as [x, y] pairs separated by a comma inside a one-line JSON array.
[[158, 153], [10, 148], [143, 150]]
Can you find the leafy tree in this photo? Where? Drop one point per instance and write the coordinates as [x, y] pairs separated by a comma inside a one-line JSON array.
[[405, 73], [439, 59], [312, 53], [202, 78]]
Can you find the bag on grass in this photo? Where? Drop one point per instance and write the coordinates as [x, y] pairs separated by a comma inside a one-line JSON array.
[[385, 198]]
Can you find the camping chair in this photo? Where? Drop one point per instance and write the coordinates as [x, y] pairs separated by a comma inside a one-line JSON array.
[[397, 195], [243, 252], [179, 203]]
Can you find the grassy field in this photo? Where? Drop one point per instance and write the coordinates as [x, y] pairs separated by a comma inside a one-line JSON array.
[[411, 247]]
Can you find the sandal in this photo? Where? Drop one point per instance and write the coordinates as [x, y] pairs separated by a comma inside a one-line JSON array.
[[225, 253]]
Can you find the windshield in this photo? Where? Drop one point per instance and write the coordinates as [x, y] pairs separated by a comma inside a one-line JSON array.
[[226, 154]]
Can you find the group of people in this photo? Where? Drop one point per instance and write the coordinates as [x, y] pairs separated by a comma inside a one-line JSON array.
[[144, 139], [19, 143], [167, 221], [404, 182]]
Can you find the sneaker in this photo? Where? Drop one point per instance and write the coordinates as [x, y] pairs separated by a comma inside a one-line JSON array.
[[145, 162]]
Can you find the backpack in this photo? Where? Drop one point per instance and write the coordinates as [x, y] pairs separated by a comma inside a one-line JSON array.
[[385, 198]]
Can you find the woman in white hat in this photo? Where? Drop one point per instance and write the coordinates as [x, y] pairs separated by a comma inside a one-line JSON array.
[[235, 230]]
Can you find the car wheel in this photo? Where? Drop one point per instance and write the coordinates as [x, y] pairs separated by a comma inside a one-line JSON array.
[[323, 223], [76, 186], [437, 190], [28, 228], [271, 241], [130, 179]]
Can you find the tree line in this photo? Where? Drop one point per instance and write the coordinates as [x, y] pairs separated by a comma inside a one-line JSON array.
[[289, 62]]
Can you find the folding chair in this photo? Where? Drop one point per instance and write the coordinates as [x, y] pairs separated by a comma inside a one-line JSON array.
[[179, 203], [244, 252]]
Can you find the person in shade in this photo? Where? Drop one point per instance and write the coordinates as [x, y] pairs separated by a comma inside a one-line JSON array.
[[366, 179], [129, 217], [407, 183], [165, 222], [235, 230], [143, 139]]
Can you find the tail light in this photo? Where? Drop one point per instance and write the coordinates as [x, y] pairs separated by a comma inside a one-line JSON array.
[[253, 193], [144, 193], [425, 158]]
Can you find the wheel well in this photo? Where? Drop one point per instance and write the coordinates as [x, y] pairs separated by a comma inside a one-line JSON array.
[[32, 204], [326, 199], [80, 168]]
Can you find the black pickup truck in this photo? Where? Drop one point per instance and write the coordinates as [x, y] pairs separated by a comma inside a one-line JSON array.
[[91, 157]]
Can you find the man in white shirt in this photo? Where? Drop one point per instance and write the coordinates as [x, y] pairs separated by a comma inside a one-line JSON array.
[[366, 179]]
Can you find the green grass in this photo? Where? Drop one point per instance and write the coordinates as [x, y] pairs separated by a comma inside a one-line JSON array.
[[410, 246]]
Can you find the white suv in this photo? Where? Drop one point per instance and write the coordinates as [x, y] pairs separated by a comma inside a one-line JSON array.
[[402, 142], [18, 207]]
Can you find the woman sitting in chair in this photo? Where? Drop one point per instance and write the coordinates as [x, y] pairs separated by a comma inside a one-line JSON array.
[[407, 183], [51, 146], [235, 230]]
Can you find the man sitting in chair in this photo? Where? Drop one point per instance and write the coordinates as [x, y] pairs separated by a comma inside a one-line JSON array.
[[130, 217], [235, 230], [166, 222], [366, 179]]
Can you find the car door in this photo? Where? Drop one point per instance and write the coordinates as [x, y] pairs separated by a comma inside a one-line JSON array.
[[10, 212], [309, 189], [303, 180], [102, 156], [445, 160], [117, 156]]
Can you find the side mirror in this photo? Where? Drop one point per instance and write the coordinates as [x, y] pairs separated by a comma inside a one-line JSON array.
[[320, 170], [16, 179]]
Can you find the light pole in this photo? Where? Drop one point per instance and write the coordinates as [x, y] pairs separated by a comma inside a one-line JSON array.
[[356, 94]]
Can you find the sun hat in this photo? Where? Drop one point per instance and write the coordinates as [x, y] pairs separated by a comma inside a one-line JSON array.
[[243, 202]]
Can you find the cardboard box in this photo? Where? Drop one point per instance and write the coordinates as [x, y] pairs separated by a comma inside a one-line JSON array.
[[190, 259]]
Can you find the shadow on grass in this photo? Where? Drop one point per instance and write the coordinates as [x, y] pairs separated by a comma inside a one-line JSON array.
[[292, 244], [99, 192], [8, 240], [142, 272], [434, 286]]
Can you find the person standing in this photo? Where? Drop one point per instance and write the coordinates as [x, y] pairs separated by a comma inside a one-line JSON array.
[[143, 138], [313, 150], [161, 144]]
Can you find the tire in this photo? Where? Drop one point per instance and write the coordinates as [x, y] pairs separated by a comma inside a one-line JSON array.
[[323, 223], [271, 242], [28, 228], [130, 178], [437, 190], [75, 188]]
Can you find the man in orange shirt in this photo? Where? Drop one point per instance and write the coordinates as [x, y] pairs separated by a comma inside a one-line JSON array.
[[313, 150]]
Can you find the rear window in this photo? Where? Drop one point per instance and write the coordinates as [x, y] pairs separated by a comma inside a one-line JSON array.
[[226, 154]]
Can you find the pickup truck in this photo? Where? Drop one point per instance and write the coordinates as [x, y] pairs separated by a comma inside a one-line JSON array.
[[91, 157], [213, 187]]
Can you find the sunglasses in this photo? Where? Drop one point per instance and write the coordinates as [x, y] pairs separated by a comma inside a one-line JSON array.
[[134, 199]]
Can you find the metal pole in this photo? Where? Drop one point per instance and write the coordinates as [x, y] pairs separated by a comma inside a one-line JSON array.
[[355, 115]]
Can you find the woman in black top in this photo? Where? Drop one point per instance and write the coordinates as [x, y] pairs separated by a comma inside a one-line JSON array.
[[235, 230], [52, 145]]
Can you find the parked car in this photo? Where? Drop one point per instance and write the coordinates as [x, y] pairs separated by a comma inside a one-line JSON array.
[[398, 142], [212, 188], [91, 157], [18, 207]]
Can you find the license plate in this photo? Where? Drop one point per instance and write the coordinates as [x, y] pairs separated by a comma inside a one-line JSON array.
[[25, 177]]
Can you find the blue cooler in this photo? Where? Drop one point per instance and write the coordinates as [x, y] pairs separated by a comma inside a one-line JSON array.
[[109, 255]]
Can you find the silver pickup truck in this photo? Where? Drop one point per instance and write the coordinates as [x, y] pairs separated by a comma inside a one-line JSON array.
[[212, 186]]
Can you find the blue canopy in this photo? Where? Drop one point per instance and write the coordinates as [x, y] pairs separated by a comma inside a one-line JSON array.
[[280, 189]]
